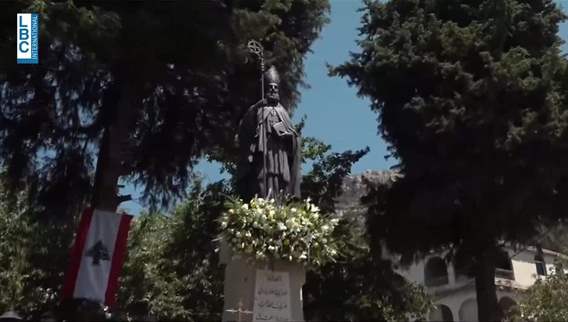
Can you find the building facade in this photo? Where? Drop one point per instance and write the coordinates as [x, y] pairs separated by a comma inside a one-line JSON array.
[[451, 287], [453, 290]]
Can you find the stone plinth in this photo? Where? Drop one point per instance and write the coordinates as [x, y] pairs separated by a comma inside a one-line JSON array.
[[239, 286]]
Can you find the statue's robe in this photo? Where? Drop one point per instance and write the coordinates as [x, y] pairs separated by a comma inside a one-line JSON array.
[[269, 154]]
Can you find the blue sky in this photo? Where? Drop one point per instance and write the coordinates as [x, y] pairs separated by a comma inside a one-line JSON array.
[[334, 112]]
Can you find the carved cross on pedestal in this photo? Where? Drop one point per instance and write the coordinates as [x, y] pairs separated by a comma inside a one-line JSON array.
[[240, 312]]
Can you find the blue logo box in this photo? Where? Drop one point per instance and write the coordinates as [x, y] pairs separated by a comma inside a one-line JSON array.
[[27, 38]]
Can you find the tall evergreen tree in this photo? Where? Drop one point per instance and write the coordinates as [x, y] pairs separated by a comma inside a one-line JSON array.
[[471, 96], [139, 90]]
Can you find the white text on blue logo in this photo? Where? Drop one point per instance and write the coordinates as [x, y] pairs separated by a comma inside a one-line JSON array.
[[27, 38]]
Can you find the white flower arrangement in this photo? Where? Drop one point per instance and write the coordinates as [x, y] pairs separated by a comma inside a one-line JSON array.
[[265, 230]]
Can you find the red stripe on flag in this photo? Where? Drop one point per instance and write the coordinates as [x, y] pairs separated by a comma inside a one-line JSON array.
[[117, 259], [76, 254]]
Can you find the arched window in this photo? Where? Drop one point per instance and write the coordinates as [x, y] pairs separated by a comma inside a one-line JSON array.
[[441, 313], [435, 272], [468, 311]]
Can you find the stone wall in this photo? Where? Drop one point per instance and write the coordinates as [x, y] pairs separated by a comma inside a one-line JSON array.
[[356, 186]]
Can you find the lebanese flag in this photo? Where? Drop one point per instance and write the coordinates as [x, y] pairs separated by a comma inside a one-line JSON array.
[[97, 256]]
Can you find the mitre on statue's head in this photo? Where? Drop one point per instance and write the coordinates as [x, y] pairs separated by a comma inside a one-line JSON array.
[[271, 75]]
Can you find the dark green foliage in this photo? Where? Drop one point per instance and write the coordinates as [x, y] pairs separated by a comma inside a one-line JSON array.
[[323, 183], [471, 96], [33, 254], [545, 300], [181, 68], [172, 271], [313, 148], [359, 287], [346, 290], [554, 238]]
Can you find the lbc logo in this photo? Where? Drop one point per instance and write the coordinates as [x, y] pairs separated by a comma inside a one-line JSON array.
[[27, 38]]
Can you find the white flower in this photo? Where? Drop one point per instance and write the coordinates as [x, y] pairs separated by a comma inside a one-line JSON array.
[[291, 224]]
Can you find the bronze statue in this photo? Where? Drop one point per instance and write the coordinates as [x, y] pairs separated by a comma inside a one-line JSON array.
[[269, 163]]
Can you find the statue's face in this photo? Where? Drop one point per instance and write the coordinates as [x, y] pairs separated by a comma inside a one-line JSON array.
[[272, 92]]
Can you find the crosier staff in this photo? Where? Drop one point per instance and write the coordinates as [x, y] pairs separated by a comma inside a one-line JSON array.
[[256, 49]]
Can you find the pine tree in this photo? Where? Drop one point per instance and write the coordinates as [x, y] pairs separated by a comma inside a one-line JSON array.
[[471, 97], [138, 92]]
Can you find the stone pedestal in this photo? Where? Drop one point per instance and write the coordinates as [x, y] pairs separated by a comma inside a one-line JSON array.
[[239, 286]]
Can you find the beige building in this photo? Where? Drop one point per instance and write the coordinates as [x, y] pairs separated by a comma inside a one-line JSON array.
[[454, 292]]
